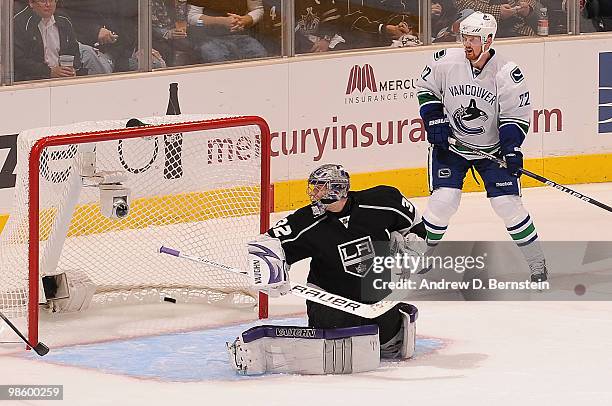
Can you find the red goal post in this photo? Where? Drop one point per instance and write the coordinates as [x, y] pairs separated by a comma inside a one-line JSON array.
[[124, 134]]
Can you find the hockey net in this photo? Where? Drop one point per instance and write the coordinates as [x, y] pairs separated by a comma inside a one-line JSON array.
[[199, 184]]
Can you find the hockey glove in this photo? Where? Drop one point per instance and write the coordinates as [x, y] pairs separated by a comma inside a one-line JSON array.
[[438, 130], [410, 247], [514, 162], [511, 137], [268, 269]]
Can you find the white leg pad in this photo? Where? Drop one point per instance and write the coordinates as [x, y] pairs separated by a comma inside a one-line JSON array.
[[403, 344], [305, 350]]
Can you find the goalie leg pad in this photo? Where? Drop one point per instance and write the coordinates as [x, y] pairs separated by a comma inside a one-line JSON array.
[[403, 344], [305, 350]]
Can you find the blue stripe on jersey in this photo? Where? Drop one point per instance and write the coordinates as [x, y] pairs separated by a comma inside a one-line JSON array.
[[434, 227]]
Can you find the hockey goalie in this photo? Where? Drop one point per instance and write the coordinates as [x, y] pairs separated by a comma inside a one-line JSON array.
[[337, 222]]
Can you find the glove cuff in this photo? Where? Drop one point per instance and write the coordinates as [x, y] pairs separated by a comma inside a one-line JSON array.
[[513, 150]]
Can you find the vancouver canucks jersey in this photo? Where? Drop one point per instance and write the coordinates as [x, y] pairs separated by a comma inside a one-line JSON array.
[[477, 104]]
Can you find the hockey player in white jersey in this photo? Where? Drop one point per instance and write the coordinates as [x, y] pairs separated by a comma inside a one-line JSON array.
[[474, 95]]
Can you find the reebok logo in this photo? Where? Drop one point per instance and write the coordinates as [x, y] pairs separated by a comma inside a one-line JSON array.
[[502, 184]]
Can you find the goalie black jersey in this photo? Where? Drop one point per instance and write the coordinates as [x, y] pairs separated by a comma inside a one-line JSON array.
[[342, 245]]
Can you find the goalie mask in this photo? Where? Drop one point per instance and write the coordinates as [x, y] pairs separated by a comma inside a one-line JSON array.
[[327, 184]]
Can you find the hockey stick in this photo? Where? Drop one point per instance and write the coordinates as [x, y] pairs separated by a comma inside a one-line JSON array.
[[501, 162], [39, 348], [307, 292]]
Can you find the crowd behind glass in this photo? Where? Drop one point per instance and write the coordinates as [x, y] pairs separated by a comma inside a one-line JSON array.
[[64, 38]]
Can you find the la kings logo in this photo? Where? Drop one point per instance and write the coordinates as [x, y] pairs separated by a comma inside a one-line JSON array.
[[357, 256]]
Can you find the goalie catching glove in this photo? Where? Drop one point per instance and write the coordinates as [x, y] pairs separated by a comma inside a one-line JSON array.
[[412, 248], [268, 269]]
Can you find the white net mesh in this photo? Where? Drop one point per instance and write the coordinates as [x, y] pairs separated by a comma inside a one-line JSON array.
[[198, 192]]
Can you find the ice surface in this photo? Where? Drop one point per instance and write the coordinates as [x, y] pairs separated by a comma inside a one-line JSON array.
[[473, 353]]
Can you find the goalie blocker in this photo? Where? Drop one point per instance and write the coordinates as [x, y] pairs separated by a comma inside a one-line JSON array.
[[318, 351]]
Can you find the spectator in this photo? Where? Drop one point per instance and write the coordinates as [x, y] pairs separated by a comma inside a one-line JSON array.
[[318, 27], [19, 5], [586, 15], [170, 41], [514, 17], [557, 16], [108, 25], [378, 23], [41, 36], [600, 14], [220, 29], [444, 21], [270, 28]]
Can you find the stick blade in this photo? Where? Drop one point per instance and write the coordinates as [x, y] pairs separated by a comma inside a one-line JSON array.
[[41, 349]]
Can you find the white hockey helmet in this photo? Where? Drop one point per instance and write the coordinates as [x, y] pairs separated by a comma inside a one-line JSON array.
[[480, 24]]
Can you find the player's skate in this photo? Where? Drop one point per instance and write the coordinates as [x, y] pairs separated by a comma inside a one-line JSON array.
[[539, 273]]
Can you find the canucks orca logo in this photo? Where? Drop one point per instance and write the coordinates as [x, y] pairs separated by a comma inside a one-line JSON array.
[[464, 116]]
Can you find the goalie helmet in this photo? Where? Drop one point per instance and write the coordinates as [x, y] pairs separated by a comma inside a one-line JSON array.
[[479, 24], [328, 184]]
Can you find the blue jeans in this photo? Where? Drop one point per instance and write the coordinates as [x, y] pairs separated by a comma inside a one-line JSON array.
[[218, 46]]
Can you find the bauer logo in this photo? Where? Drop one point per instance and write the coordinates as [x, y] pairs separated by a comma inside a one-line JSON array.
[[605, 92], [357, 256]]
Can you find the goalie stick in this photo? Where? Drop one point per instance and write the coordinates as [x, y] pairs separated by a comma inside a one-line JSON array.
[[368, 311], [501, 162], [39, 348]]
